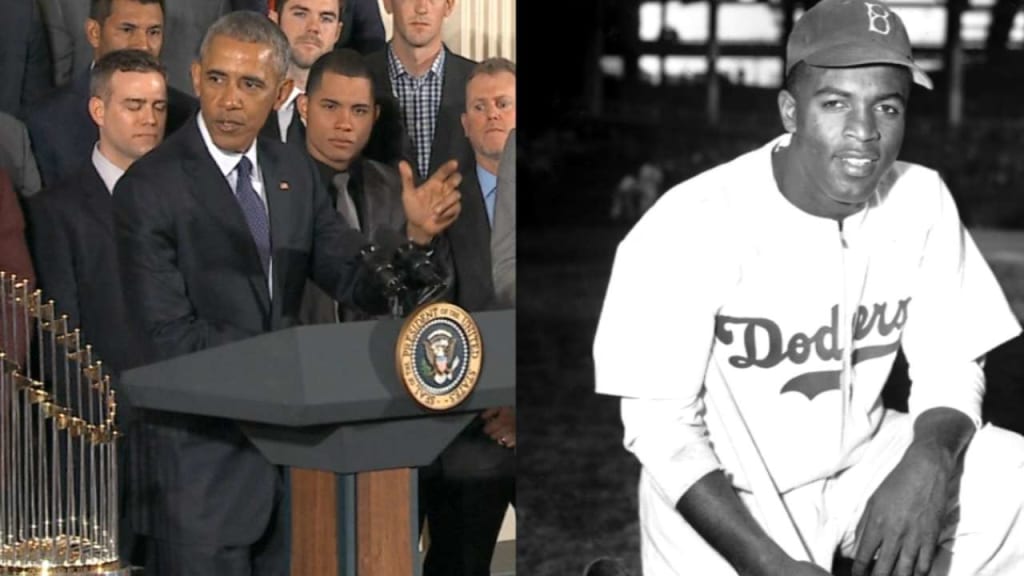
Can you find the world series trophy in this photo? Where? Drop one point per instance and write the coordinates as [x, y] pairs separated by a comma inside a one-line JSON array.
[[58, 444]]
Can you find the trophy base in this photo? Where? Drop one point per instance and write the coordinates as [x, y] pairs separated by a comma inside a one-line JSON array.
[[112, 569]]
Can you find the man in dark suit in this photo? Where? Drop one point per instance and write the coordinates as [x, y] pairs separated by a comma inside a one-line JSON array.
[[340, 116], [468, 489], [362, 28], [217, 232], [427, 80], [25, 64], [62, 132], [72, 224], [312, 27], [339, 112]]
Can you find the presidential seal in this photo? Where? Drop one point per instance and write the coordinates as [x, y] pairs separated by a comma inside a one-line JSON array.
[[438, 355]]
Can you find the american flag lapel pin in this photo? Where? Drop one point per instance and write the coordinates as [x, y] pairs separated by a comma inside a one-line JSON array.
[[284, 186]]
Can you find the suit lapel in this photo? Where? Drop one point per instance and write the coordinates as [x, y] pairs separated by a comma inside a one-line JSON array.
[[212, 191], [448, 127], [277, 189], [96, 199]]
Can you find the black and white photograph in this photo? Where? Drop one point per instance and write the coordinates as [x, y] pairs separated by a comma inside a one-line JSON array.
[[771, 291]]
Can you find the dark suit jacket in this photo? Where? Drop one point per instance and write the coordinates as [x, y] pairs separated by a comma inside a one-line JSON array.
[[193, 281], [470, 238], [296, 130], [72, 239], [362, 27], [449, 138], [63, 133], [25, 64], [377, 192]]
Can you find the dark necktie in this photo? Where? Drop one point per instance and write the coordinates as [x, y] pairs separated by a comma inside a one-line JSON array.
[[254, 211], [344, 204]]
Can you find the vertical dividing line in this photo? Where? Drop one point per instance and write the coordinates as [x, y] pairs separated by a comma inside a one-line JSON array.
[[5, 416]]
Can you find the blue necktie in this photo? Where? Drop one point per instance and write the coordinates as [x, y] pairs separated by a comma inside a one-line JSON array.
[[255, 213], [489, 205]]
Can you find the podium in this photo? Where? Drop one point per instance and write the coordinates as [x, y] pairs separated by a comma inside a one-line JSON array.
[[327, 399]]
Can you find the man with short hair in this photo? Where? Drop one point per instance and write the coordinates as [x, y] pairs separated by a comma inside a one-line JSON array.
[[312, 28], [340, 111], [428, 81], [62, 132], [217, 232], [751, 395], [468, 489], [72, 224]]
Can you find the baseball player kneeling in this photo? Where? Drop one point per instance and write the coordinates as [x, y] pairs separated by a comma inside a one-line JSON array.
[[751, 396]]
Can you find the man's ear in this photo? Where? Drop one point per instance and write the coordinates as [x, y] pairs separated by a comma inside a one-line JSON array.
[[302, 105], [462, 119], [93, 30], [97, 110], [376, 113], [284, 89], [787, 110], [197, 77], [274, 17]]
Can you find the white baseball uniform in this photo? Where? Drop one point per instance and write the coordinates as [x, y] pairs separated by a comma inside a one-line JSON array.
[[795, 311]]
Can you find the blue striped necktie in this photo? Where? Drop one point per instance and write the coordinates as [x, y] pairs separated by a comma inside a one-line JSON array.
[[254, 211]]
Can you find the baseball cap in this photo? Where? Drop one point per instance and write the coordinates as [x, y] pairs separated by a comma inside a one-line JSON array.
[[847, 33]]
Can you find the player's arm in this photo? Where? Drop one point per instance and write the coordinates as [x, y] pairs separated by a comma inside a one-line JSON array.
[[670, 440], [652, 346], [899, 530], [955, 318]]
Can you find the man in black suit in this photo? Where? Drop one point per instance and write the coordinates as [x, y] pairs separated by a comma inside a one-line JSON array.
[[217, 232], [312, 27], [62, 132], [25, 64], [72, 224], [427, 80], [339, 111], [362, 28], [468, 489]]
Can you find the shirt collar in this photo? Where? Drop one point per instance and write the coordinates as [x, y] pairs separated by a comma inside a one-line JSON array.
[[398, 70], [226, 161], [296, 91], [109, 173], [487, 180]]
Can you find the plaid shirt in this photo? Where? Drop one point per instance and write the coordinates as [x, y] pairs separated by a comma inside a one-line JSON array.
[[420, 99]]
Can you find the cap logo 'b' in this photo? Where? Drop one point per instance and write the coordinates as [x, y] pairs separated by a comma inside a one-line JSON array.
[[878, 19]]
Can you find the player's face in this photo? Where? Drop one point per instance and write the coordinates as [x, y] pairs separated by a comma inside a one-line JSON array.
[[132, 119], [238, 86], [130, 25], [418, 22], [312, 28], [490, 112], [339, 119], [847, 126]]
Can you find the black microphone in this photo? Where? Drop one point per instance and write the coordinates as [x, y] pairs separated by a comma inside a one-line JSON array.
[[414, 265], [382, 272]]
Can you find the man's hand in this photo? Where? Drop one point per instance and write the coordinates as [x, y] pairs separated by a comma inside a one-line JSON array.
[[432, 206], [902, 520], [501, 425]]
